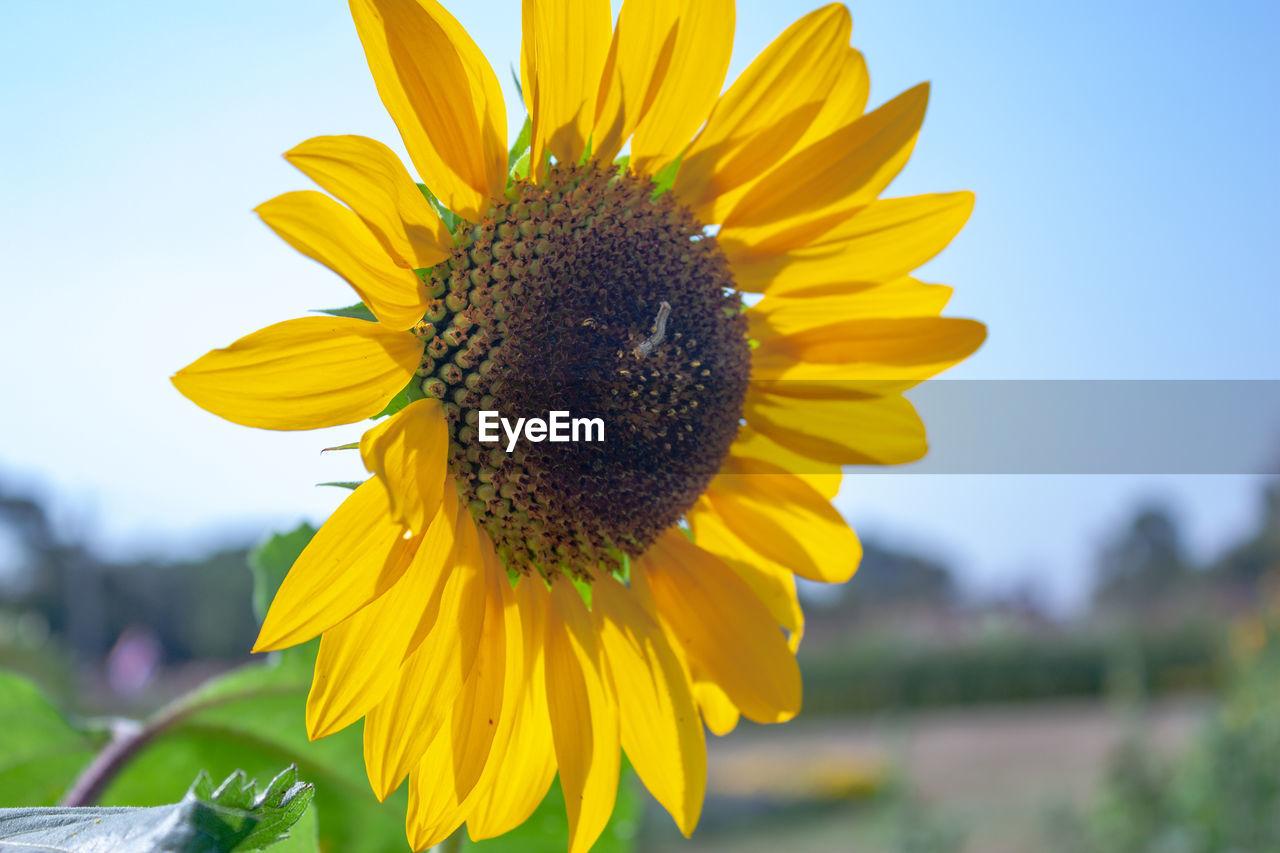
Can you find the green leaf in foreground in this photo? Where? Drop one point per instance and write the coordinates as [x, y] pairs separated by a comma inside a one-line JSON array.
[[230, 817], [254, 719], [41, 753]]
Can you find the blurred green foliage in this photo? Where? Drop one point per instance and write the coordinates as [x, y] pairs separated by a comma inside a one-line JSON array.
[[893, 673], [1221, 796], [41, 752]]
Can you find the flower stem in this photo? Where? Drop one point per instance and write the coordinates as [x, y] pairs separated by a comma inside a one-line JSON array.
[[453, 844], [127, 738]]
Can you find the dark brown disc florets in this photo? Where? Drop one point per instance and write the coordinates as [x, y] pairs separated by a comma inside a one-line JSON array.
[[585, 294]]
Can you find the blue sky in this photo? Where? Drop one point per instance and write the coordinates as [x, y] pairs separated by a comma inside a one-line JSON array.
[[1123, 155]]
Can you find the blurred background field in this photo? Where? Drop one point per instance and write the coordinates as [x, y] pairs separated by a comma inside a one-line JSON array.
[[936, 718]]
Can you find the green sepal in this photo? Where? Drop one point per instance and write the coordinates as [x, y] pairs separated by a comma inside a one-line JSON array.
[[521, 145], [451, 220], [520, 170], [344, 484], [360, 311], [409, 393], [515, 77], [666, 177]]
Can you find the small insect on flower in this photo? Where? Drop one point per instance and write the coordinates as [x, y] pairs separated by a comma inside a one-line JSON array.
[[498, 618]]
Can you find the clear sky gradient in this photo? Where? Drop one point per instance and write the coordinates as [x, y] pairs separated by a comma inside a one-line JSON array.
[[1124, 155]]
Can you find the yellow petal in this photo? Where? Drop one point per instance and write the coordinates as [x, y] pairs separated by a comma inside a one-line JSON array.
[[360, 658], [370, 179], [845, 101], [842, 103], [584, 717], [766, 110], [661, 732], [836, 174], [514, 784], [694, 75], [638, 61], [325, 231], [752, 447], [720, 715], [479, 706], [303, 374], [569, 41], [443, 786], [398, 730], [409, 452], [772, 583], [787, 521], [792, 313], [880, 242], [879, 354], [442, 95], [357, 555], [723, 627], [843, 429], [434, 811]]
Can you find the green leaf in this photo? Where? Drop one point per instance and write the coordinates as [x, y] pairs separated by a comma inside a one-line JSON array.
[[304, 836], [271, 560], [253, 719], [360, 311], [231, 817], [41, 753], [522, 142], [409, 393]]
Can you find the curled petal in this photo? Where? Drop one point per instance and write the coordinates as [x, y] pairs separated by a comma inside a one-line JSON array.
[[369, 178], [409, 454], [325, 231]]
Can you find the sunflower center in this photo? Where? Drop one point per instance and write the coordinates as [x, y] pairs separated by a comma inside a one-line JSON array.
[[585, 295]]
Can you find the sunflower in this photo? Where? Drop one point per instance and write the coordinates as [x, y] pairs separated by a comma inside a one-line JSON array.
[[500, 614]]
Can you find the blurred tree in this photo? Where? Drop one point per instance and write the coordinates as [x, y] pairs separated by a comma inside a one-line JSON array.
[[890, 575], [1256, 556], [196, 609], [1141, 566]]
